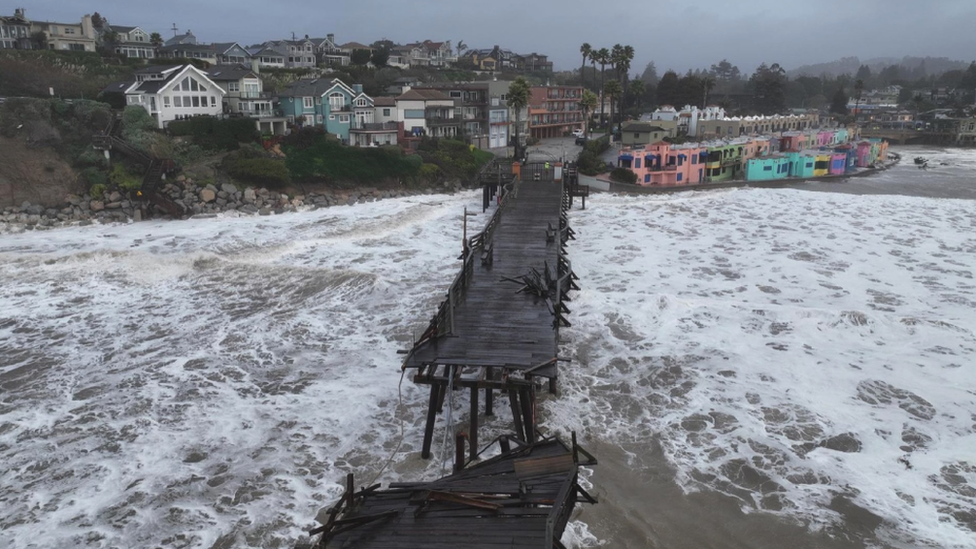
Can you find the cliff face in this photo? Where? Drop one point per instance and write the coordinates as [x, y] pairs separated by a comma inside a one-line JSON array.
[[35, 174]]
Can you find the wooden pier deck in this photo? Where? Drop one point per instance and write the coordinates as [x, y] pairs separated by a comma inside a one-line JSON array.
[[498, 328], [522, 498]]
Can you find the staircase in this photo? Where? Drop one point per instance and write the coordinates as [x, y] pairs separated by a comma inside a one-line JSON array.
[[151, 188]]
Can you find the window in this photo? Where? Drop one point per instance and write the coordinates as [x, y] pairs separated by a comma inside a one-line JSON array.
[[166, 101], [196, 101], [233, 87], [360, 102], [318, 118], [344, 119], [680, 175], [767, 168], [213, 101], [636, 135], [307, 103], [637, 163], [386, 112], [68, 30], [177, 101], [331, 117]]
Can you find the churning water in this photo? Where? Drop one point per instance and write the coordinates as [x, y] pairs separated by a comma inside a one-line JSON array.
[[754, 368]]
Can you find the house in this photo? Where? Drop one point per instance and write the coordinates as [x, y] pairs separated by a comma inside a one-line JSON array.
[[297, 53], [203, 52], [15, 31], [428, 113], [185, 38], [554, 111], [662, 163], [267, 57], [329, 104], [328, 52], [132, 42], [174, 92], [484, 112], [768, 168], [383, 129], [229, 53], [435, 54], [536, 62], [66, 36], [245, 96], [642, 133], [493, 59]]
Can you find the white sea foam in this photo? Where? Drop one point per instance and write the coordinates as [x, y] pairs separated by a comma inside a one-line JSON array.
[[210, 382], [789, 346]]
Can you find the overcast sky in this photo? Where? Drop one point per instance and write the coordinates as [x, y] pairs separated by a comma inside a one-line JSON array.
[[673, 34]]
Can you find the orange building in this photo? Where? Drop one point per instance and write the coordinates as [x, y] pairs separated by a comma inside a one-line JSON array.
[[554, 111]]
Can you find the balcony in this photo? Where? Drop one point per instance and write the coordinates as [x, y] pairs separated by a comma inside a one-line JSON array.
[[340, 108], [385, 127], [444, 121]]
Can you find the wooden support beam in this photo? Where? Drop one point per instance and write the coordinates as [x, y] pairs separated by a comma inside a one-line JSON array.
[[473, 430], [513, 399], [528, 413], [489, 395], [431, 418], [459, 452]]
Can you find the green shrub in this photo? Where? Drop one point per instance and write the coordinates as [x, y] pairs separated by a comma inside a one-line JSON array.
[[214, 133], [97, 190], [316, 156], [123, 178], [623, 175], [246, 165]]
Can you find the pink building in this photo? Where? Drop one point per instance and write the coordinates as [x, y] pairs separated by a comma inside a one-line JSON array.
[[665, 164], [825, 138]]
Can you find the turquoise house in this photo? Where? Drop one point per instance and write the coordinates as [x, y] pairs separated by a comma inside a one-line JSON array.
[[768, 168], [804, 164], [328, 104]]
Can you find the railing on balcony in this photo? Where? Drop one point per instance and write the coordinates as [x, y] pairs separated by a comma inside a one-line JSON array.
[[340, 108], [444, 120], [374, 126]]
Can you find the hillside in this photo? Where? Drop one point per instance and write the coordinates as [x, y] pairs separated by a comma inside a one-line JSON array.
[[918, 67]]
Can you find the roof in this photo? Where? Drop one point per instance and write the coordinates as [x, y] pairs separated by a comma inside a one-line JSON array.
[[153, 69], [642, 127], [189, 47], [117, 87], [422, 95], [262, 51], [229, 72], [355, 46], [384, 101], [316, 87], [120, 29]]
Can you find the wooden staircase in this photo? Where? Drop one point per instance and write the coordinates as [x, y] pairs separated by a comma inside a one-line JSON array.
[[151, 188]]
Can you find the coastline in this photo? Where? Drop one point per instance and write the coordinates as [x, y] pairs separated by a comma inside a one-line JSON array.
[[615, 187]]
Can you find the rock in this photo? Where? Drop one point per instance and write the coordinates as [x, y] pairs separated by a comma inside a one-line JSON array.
[[228, 188], [207, 194], [115, 197], [85, 222], [73, 199], [220, 202], [25, 205], [223, 194], [181, 178], [264, 211], [113, 205], [97, 205], [262, 191], [249, 195], [137, 215]]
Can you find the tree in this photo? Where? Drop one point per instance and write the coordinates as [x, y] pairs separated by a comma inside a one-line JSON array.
[[603, 58], [863, 73], [667, 89], [637, 90], [858, 90], [461, 48], [383, 44], [649, 76], [838, 104], [38, 40], [360, 57], [156, 39], [97, 20], [380, 57], [518, 99], [587, 104], [723, 70], [768, 85], [707, 84], [612, 89], [585, 50]]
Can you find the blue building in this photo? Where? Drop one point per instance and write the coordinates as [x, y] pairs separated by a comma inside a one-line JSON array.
[[329, 104]]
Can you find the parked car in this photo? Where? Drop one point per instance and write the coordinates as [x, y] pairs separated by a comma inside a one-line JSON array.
[[577, 133], [581, 140]]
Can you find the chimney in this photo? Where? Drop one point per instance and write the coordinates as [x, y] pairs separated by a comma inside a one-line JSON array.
[[19, 12], [306, 37], [331, 37]]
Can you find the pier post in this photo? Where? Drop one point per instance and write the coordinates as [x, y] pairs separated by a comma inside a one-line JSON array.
[[473, 431], [431, 418], [513, 399]]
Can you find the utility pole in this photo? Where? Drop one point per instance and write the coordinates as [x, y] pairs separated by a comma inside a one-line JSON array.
[[175, 30]]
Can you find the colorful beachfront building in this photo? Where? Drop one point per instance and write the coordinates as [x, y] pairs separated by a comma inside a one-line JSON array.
[[662, 163], [769, 168]]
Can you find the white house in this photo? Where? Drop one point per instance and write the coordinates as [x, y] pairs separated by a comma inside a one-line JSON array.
[[176, 92], [428, 112]]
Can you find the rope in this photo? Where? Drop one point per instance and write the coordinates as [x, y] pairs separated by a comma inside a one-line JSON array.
[[400, 416]]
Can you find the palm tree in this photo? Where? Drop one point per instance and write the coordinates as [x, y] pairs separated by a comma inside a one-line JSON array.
[[602, 57], [612, 90], [586, 49], [518, 99], [858, 90], [708, 84], [587, 104], [156, 39]]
